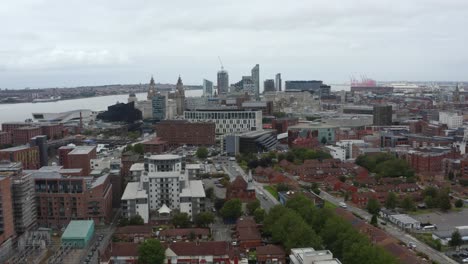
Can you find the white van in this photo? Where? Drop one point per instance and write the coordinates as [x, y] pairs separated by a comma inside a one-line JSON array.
[[343, 205]]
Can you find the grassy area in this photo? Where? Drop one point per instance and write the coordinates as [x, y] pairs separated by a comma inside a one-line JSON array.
[[271, 190], [329, 205], [428, 240]]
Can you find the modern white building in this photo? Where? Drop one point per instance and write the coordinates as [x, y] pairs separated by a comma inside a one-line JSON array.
[[162, 163], [192, 198], [164, 188], [312, 256], [452, 120], [337, 152], [136, 170], [134, 201], [347, 145], [228, 121]]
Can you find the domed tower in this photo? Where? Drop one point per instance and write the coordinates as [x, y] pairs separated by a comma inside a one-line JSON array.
[[180, 97], [151, 89]]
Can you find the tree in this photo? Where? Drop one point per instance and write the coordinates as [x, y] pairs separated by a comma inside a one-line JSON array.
[[456, 239], [259, 215], [290, 156], [218, 204], [204, 219], [181, 220], [374, 220], [123, 221], [136, 220], [151, 252], [459, 203], [202, 153], [444, 201], [252, 206], [373, 206], [232, 209], [391, 201], [139, 148], [209, 193], [346, 196], [282, 187], [408, 204], [451, 175], [324, 140]]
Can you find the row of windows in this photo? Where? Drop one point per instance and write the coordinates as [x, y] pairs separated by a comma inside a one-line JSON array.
[[220, 115]]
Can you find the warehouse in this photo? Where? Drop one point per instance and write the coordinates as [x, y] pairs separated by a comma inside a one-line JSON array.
[[78, 233]]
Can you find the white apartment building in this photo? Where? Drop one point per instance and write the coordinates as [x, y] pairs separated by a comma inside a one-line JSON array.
[[192, 198], [228, 121], [161, 163], [136, 170], [452, 120], [164, 188], [337, 152], [347, 145], [135, 201]]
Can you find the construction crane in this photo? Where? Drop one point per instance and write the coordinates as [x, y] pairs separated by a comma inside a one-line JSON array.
[[220, 62]]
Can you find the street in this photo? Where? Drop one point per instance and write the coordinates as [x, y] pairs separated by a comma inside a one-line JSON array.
[[393, 231], [267, 200]]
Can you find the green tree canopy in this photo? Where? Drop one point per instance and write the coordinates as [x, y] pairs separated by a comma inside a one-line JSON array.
[[444, 201], [136, 220], [232, 209], [252, 206], [373, 206], [259, 215], [456, 239], [202, 153], [408, 204], [151, 252], [385, 165], [391, 201], [139, 148], [204, 219], [459, 203], [181, 220]]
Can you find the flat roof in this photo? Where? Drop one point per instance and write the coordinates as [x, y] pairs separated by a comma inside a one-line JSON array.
[[195, 189], [193, 166], [164, 157], [22, 147], [137, 167], [77, 229], [311, 126], [406, 219], [80, 150], [133, 191]]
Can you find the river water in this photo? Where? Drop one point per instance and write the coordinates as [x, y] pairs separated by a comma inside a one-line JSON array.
[[23, 111]]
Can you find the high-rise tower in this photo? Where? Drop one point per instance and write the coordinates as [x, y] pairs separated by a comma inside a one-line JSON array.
[[256, 80], [223, 82], [278, 82], [180, 97], [151, 89]]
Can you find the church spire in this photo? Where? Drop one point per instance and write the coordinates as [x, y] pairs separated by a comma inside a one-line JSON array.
[[151, 89]]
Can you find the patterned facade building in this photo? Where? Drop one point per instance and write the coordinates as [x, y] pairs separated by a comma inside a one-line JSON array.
[[180, 132]]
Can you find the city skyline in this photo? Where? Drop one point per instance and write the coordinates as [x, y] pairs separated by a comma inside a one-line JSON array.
[[390, 40]]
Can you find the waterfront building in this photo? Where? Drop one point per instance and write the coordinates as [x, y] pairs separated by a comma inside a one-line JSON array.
[[22, 135], [159, 106], [7, 227], [207, 88], [314, 87], [182, 132], [151, 89], [180, 97]]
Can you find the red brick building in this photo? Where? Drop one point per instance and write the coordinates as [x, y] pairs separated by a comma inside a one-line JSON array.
[[247, 233], [428, 162], [199, 252], [5, 138], [22, 135], [52, 131], [77, 157], [281, 124], [240, 189], [155, 146], [61, 199], [271, 254], [133, 233], [28, 156], [181, 132], [7, 227], [9, 127], [128, 159]]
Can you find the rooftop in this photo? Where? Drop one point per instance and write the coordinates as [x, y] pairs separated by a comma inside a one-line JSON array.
[[137, 167], [133, 191], [17, 148], [81, 150], [77, 229], [195, 189], [164, 157]]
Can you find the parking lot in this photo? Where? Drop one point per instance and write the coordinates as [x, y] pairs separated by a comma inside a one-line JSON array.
[[445, 221]]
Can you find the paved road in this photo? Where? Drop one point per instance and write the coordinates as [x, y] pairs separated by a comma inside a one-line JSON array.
[[394, 231], [267, 200]]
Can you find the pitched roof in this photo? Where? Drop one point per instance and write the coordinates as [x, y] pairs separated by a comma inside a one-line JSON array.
[[184, 232], [238, 183], [132, 229], [210, 248], [270, 250], [124, 249]]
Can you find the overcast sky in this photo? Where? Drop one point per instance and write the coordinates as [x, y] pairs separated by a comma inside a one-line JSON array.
[[56, 43]]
